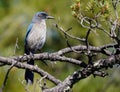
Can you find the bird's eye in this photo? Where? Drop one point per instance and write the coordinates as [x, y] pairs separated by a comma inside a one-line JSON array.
[[43, 14]]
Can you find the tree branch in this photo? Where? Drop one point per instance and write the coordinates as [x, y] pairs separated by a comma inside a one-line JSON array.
[[21, 65], [55, 56], [85, 72]]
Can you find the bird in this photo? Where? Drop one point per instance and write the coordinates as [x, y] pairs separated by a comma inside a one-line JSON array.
[[35, 39]]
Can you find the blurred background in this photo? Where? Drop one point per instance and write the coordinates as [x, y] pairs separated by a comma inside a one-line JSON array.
[[15, 16]]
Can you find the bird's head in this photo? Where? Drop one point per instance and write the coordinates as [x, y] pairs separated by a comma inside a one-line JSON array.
[[41, 15]]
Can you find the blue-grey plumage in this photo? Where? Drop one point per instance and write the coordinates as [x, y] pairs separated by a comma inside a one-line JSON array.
[[37, 36], [35, 39]]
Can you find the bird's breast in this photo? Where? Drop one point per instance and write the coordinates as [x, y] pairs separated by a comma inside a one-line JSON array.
[[37, 36]]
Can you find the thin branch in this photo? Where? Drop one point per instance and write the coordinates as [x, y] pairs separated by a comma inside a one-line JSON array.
[[90, 25], [50, 56], [87, 43], [46, 56], [6, 76], [68, 44], [43, 86], [114, 4], [105, 31], [71, 36], [16, 46], [84, 48]]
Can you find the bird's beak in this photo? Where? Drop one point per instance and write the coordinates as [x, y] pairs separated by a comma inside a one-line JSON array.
[[50, 17]]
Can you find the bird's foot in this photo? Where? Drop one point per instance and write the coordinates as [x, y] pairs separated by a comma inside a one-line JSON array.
[[32, 56]]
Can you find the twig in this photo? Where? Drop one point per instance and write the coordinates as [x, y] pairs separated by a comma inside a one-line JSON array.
[[6, 77], [68, 44], [71, 36], [43, 86], [87, 20], [16, 46], [105, 31], [114, 4]]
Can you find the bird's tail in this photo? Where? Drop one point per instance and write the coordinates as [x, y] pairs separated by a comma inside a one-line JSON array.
[[29, 75]]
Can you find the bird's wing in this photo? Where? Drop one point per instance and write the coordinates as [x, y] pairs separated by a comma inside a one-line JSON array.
[[28, 31]]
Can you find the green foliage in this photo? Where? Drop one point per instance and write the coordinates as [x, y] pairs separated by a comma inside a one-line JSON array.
[[92, 9]]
